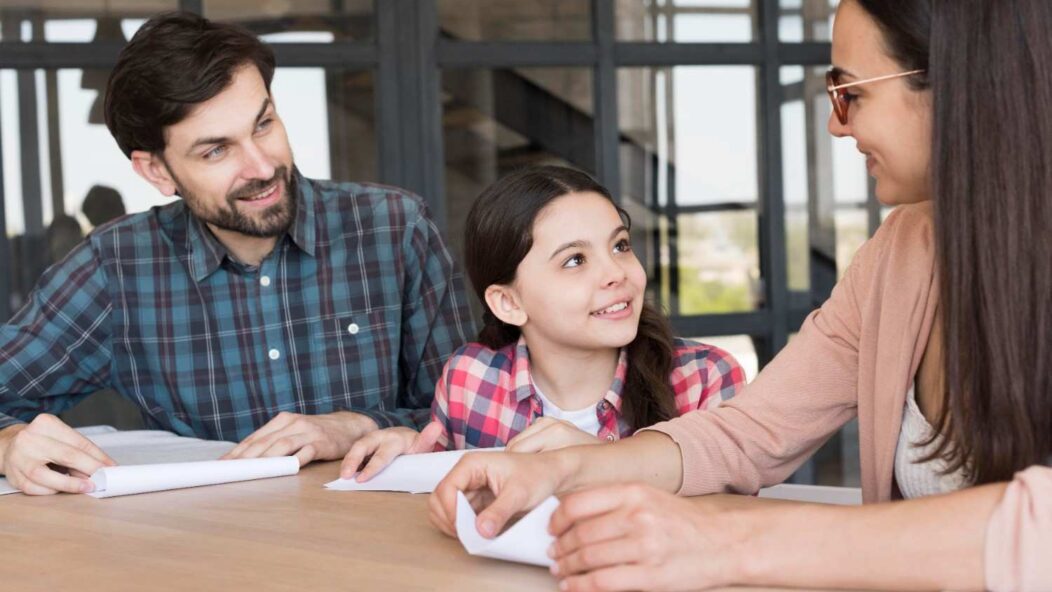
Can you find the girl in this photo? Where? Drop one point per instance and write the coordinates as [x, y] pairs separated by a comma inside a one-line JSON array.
[[570, 353]]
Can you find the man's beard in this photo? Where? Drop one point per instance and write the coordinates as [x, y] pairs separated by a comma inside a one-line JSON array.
[[271, 222]]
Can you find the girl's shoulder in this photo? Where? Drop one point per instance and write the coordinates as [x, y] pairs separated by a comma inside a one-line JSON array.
[[480, 360], [689, 353]]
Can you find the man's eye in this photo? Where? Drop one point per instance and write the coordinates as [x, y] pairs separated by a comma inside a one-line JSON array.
[[215, 152]]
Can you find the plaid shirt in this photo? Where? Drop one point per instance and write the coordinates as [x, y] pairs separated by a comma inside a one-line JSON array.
[[485, 397], [356, 308]]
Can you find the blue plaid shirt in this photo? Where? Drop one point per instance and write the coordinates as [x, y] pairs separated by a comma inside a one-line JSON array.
[[357, 308]]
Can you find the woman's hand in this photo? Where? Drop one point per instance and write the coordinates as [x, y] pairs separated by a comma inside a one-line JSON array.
[[549, 434], [636, 537], [381, 447], [499, 485]]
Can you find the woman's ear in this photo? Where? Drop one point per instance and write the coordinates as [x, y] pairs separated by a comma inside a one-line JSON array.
[[504, 303]]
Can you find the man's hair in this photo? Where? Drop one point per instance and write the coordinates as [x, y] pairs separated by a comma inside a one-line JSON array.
[[175, 61]]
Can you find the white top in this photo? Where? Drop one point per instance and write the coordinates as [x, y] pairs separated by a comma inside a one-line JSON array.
[[918, 479], [586, 420]]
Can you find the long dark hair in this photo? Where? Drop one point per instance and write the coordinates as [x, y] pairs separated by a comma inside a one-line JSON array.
[[499, 235], [988, 70]]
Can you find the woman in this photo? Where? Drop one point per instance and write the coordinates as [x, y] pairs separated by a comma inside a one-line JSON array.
[[936, 338]]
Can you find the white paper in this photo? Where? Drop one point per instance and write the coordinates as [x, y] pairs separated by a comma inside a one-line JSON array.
[[127, 480], [413, 473], [148, 447], [821, 494], [527, 541], [5, 487]]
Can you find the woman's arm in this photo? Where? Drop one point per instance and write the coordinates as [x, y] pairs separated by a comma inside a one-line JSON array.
[[636, 537]]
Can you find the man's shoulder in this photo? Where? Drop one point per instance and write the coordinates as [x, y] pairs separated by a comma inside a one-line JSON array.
[[137, 228], [369, 199]]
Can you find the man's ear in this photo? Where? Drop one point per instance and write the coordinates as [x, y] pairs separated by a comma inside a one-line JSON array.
[[504, 303], [152, 167]]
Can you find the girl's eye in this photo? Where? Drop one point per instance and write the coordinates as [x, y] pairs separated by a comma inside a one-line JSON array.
[[848, 96], [623, 246], [574, 261], [263, 125], [215, 152]]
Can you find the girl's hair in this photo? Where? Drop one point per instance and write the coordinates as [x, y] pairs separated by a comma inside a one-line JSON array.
[[499, 235], [991, 168]]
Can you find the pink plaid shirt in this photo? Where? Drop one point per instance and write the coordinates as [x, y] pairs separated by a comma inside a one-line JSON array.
[[485, 398]]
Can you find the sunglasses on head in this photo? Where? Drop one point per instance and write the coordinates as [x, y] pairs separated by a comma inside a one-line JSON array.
[[841, 101]]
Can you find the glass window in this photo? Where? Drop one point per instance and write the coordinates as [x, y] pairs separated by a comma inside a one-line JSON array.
[[686, 21], [78, 22], [64, 174], [495, 121], [806, 20], [302, 21], [515, 20]]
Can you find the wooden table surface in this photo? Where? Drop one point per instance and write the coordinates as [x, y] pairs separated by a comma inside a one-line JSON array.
[[286, 533]]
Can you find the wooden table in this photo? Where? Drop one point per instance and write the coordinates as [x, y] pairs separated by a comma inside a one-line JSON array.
[[273, 534]]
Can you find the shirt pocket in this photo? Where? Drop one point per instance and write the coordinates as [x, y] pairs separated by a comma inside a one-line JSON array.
[[359, 353]]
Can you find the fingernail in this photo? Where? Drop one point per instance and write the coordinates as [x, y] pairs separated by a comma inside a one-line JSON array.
[[554, 569], [551, 550], [563, 585], [487, 529], [87, 487]]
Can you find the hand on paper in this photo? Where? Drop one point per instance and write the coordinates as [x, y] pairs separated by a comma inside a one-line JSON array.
[[513, 483], [549, 434], [380, 447], [47, 456], [636, 537], [307, 437]]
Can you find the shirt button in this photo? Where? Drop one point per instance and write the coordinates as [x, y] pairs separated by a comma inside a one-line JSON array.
[[264, 281], [274, 354], [610, 437], [353, 328]]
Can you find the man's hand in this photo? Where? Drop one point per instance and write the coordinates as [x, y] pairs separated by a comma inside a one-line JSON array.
[[549, 434], [47, 456], [307, 437]]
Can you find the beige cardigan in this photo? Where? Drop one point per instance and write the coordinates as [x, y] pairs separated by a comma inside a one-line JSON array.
[[857, 355]]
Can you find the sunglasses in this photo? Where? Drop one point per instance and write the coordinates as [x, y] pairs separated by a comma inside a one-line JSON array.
[[841, 101]]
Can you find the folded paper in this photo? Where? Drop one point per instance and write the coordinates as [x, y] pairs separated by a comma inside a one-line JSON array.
[[527, 540]]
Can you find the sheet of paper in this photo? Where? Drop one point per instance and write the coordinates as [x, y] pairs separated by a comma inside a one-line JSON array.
[[147, 447], [5, 487], [128, 480], [821, 494], [413, 473], [527, 540]]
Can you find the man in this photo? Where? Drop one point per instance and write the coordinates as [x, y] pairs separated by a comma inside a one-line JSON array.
[[289, 314]]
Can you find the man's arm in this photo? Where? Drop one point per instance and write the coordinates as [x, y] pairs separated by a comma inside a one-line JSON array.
[[436, 321], [54, 352]]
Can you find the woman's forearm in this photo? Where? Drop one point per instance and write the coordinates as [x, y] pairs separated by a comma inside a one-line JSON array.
[[923, 544], [648, 457]]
